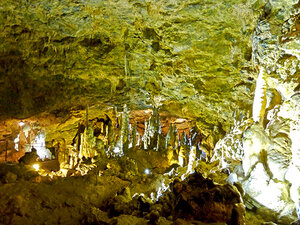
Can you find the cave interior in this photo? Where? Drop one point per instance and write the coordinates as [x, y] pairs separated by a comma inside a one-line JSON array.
[[150, 112]]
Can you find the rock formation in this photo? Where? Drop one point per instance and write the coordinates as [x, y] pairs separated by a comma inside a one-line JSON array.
[[159, 112]]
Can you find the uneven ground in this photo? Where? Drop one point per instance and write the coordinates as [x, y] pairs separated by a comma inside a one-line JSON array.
[[107, 198]]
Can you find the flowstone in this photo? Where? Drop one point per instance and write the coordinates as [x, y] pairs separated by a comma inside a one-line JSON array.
[[269, 146]]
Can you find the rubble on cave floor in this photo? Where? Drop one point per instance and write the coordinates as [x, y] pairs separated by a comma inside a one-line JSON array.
[[114, 191], [106, 196]]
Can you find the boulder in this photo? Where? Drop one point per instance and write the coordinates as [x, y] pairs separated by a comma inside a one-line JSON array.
[[198, 198]]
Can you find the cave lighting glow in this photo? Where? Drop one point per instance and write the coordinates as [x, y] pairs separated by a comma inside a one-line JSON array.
[[147, 171], [40, 146], [295, 148], [270, 196], [190, 166], [180, 160], [180, 120], [16, 141], [267, 193], [36, 167], [292, 173], [117, 150], [21, 124], [192, 158]]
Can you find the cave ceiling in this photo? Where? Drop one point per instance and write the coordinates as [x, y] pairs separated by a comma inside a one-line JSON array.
[[191, 58]]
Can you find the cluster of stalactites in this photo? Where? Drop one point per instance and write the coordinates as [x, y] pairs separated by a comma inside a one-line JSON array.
[[117, 137], [177, 147]]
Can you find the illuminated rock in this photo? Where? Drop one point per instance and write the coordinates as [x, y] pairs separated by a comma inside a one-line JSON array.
[[154, 130], [261, 187], [267, 147], [124, 131]]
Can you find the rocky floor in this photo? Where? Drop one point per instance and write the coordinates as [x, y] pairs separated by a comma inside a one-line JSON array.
[[116, 192]]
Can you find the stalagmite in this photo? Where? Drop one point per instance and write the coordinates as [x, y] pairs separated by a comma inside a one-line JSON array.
[[60, 149], [22, 142], [40, 145]]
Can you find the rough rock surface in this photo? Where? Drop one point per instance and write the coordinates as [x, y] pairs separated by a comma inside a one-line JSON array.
[[32, 199], [268, 145], [194, 200], [193, 57], [200, 199], [105, 196]]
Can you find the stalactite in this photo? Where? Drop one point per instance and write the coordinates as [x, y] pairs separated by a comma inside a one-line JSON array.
[[176, 140], [110, 134], [185, 145], [154, 130], [124, 137], [168, 137], [117, 137], [259, 103], [145, 136], [133, 135]]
